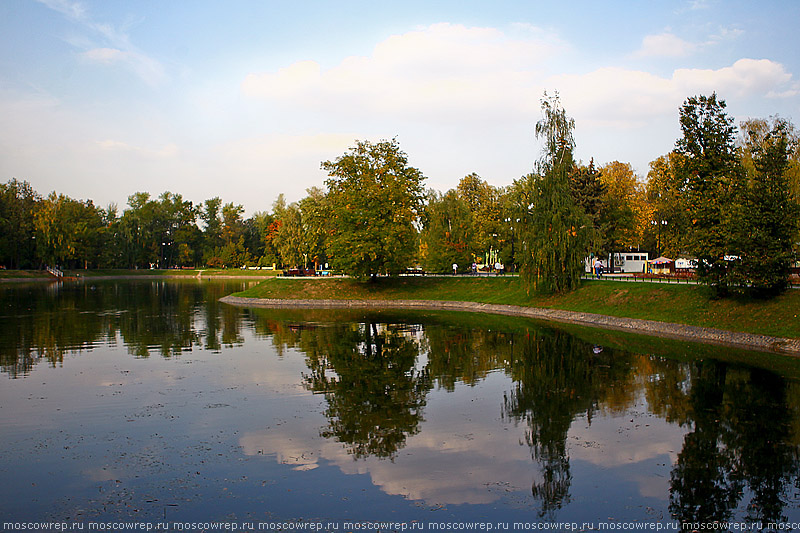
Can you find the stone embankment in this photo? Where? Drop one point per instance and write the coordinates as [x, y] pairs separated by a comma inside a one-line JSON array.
[[635, 325]]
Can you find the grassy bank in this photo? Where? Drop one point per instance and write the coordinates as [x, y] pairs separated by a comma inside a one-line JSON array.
[[683, 304]]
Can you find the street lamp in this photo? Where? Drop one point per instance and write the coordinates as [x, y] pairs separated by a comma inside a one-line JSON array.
[[658, 225]]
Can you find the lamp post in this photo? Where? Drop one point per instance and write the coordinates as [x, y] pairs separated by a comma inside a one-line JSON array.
[[658, 224]]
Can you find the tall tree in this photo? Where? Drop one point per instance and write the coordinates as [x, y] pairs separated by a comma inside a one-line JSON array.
[[619, 221], [767, 218], [212, 230], [68, 231], [713, 176], [588, 190], [233, 252], [589, 193], [484, 202], [448, 231], [177, 231], [315, 211], [255, 230], [667, 220], [291, 239], [375, 200], [556, 229], [18, 204]]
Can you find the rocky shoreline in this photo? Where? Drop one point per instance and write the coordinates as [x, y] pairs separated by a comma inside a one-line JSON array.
[[635, 325]]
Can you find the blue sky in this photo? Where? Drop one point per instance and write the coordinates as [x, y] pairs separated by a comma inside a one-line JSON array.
[[244, 99]]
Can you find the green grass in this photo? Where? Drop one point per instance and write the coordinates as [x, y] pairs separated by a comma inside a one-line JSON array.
[[683, 304]]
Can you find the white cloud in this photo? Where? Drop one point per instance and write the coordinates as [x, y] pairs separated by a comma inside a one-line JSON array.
[[436, 71], [105, 55], [616, 97], [633, 98], [746, 77], [452, 74], [669, 45], [665, 45]]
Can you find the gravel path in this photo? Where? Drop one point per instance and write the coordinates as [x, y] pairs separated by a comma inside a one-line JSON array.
[[647, 327]]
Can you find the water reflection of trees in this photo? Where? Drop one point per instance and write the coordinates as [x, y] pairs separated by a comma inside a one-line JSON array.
[[556, 379], [367, 371], [466, 355], [45, 322], [740, 448], [741, 445], [376, 396]]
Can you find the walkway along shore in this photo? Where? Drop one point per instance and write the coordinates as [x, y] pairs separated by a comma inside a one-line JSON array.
[[647, 327]]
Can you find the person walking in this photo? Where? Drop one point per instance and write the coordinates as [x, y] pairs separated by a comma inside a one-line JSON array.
[[598, 268]]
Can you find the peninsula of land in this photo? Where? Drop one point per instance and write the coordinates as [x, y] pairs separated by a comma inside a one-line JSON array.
[[649, 327]]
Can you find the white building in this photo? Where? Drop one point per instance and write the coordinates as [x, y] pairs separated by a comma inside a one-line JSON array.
[[624, 262], [628, 262]]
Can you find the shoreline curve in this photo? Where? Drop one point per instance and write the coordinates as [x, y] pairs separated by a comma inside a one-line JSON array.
[[670, 330]]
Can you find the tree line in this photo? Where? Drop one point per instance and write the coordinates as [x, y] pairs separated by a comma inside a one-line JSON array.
[[725, 196]]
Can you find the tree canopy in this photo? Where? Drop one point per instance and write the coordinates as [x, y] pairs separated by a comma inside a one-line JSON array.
[[375, 198]]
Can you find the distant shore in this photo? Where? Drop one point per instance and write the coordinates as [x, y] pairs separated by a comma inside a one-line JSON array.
[[23, 276]]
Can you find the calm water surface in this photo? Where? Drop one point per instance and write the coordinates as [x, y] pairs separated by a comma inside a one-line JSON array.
[[151, 401]]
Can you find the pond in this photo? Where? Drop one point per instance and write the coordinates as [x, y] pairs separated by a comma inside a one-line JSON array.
[[151, 404]]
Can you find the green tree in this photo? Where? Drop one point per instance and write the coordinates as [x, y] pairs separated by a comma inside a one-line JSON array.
[[175, 230], [713, 176], [232, 223], [448, 231], [588, 190], [233, 252], [667, 219], [212, 226], [18, 204], [375, 198], [767, 218], [157, 233], [486, 207], [111, 245], [315, 212], [68, 231], [291, 239], [555, 228], [271, 237], [619, 216], [255, 230]]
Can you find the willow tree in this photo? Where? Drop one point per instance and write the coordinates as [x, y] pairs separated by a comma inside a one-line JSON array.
[[555, 228]]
